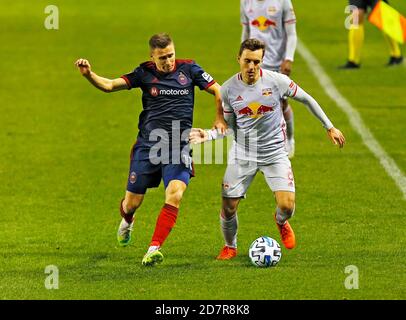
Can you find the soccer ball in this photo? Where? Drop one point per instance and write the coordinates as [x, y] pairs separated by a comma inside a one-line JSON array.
[[265, 252]]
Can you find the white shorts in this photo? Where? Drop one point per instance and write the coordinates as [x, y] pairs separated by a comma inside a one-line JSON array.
[[240, 174]]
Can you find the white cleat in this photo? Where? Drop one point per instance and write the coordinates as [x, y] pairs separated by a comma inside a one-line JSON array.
[[124, 233], [290, 148]]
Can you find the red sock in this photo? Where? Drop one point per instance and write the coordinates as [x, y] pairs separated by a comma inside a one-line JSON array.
[[129, 217], [164, 224]]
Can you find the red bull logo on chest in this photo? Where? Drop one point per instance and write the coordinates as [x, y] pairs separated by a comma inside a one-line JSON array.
[[255, 110], [263, 23]]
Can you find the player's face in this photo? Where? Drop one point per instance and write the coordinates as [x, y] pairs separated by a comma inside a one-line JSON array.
[[250, 62], [164, 58]]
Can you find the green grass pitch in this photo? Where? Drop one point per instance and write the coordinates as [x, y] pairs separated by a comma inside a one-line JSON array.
[[65, 147]]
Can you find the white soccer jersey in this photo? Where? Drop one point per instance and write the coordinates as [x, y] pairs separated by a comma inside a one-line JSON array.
[[258, 114], [266, 20]]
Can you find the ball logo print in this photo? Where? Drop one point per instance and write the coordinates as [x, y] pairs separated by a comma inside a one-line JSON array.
[[265, 252]]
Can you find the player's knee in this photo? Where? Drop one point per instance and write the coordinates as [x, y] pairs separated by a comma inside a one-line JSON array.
[[128, 208], [174, 196], [229, 210], [130, 204]]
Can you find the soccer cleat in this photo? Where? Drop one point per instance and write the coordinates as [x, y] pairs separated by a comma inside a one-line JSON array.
[[124, 233], [287, 234], [395, 61], [227, 253], [290, 148], [152, 257], [350, 65]]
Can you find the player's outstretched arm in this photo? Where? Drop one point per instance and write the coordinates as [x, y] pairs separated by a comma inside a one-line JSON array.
[[334, 134], [199, 135], [103, 84], [219, 122]]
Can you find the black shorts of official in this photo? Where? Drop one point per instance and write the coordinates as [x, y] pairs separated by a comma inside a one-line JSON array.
[[364, 4]]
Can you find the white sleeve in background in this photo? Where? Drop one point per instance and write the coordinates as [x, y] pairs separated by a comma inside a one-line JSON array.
[[289, 88], [291, 41], [245, 32], [243, 18], [244, 22], [289, 20]]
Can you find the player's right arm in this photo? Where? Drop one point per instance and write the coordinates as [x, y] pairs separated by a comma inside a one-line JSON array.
[[103, 84], [289, 21]]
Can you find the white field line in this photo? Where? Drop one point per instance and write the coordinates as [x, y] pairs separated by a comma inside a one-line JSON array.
[[354, 117]]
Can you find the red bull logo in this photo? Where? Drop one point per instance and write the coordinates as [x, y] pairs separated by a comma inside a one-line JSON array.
[[254, 110], [263, 23]]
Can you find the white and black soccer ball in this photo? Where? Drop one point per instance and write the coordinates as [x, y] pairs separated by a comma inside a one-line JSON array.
[[265, 252]]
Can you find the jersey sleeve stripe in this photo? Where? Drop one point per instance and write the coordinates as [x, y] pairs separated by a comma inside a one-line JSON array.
[[294, 93], [290, 21], [127, 81], [210, 84], [226, 111]]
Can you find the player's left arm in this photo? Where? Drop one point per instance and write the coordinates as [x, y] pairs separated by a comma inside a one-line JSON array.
[[302, 96], [198, 135], [245, 34], [219, 123], [289, 21]]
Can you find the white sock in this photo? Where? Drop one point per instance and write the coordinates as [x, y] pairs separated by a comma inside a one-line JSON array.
[[229, 228], [153, 248], [289, 119]]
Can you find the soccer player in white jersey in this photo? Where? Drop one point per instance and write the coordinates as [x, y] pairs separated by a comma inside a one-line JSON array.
[[252, 108], [273, 22]]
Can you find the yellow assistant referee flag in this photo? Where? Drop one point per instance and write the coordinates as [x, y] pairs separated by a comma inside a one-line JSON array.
[[389, 21]]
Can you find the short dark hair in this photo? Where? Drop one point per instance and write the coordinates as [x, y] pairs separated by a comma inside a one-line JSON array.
[[253, 45], [160, 40]]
